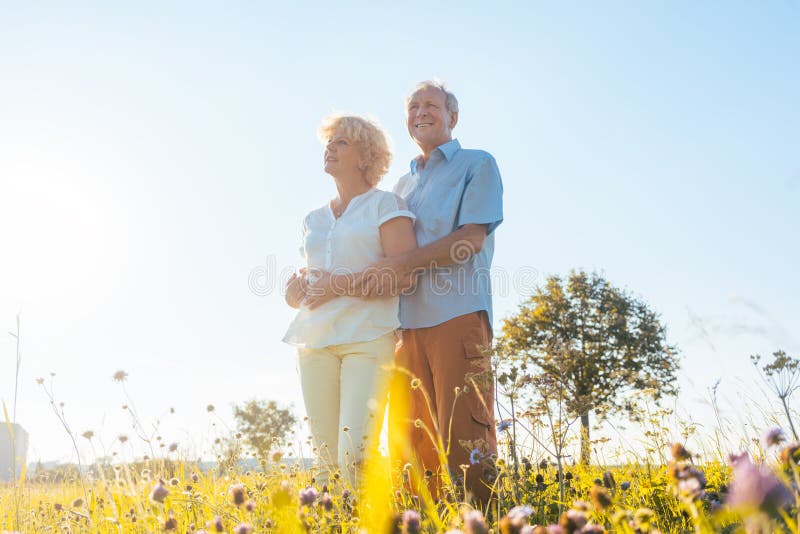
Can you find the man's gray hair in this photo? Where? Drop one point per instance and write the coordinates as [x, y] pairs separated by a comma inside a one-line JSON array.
[[451, 102]]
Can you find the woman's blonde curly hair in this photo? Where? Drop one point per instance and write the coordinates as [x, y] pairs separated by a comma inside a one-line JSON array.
[[367, 135]]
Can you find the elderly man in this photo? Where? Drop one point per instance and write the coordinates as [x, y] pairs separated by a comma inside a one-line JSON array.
[[456, 195]]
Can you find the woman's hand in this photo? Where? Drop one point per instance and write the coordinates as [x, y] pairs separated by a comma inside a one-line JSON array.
[[327, 287], [296, 288]]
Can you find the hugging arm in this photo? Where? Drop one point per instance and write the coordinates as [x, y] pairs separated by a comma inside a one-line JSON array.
[[397, 238], [456, 247]]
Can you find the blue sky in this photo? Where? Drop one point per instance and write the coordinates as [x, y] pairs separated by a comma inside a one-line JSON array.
[[152, 156]]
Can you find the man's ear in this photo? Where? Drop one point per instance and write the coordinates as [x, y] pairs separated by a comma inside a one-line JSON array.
[[453, 119]]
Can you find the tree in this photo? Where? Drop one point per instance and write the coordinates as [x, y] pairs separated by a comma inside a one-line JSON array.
[[596, 341], [262, 424]]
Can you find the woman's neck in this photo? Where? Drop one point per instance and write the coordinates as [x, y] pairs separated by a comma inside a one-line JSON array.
[[351, 188]]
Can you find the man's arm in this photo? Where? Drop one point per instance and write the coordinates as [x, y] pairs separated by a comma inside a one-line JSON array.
[[454, 248], [397, 238]]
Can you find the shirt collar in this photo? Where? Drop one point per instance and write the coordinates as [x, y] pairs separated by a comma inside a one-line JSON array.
[[448, 150]]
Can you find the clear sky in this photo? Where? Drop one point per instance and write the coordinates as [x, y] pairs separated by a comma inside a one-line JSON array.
[[154, 155]]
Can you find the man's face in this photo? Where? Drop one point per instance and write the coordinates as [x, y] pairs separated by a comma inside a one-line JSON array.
[[429, 123]]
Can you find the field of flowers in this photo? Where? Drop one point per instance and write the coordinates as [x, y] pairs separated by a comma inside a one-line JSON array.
[[159, 495]]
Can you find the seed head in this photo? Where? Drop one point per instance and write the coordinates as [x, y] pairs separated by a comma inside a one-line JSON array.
[[679, 452], [608, 480], [600, 498], [120, 376], [171, 523], [543, 464], [238, 494]]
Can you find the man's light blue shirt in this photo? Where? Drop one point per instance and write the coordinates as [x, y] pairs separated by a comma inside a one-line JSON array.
[[455, 187]]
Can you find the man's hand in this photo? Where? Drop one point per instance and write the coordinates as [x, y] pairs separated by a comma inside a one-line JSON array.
[[329, 286], [386, 277]]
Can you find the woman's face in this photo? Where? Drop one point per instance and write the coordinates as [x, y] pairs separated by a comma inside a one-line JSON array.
[[342, 157]]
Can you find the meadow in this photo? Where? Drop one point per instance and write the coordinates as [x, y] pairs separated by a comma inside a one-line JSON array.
[[667, 488]]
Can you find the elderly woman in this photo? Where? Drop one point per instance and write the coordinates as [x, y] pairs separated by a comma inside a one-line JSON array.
[[345, 344]]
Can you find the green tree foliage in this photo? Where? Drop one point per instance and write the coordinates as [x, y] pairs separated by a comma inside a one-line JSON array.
[[263, 424], [596, 341]]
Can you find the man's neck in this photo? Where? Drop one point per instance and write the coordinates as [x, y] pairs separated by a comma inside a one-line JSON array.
[[423, 158]]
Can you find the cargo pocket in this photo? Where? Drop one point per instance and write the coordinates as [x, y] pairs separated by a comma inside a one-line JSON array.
[[474, 347], [480, 419]]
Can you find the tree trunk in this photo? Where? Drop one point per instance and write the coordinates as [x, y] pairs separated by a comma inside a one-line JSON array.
[[585, 447]]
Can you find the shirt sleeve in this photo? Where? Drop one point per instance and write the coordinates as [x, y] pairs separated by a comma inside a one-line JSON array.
[[392, 206], [303, 232], [482, 200]]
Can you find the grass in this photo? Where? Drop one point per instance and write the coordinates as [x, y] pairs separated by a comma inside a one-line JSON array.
[[160, 495], [539, 490]]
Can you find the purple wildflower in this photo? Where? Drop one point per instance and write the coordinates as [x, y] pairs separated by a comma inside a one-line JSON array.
[[242, 528], [308, 496], [690, 482], [474, 523], [475, 456], [555, 529], [159, 492], [625, 486], [774, 436], [523, 512], [503, 425], [326, 501], [412, 521], [757, 487]]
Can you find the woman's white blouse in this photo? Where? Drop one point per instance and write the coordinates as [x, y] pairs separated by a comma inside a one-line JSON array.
[[345, 245]]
